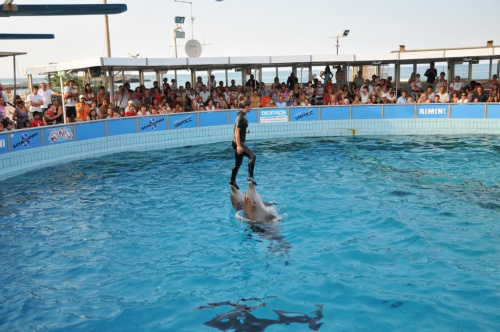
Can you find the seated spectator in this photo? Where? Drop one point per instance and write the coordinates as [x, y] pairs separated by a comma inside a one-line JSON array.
[[430, 94], [49, 116], [265, 99], [209, 106], [457, 86], [424, 98], [454, 97], [103, 110], [480, 95], [403, 99], [444, 97], [356, 100], [330, 98], [493, 82], [281, 102], [82, 109], [410, 100], [436, 99], [255, 99], [464, 99], [365, 95], [93, 114], [143, 111], [130, 109], [494, 94], [441, 81], [271, 103]]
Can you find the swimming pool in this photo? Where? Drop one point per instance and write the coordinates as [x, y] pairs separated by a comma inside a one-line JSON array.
[[375, 234]]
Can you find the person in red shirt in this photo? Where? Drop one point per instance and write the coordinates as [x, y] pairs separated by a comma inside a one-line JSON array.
[[130, 109], [36, 122]]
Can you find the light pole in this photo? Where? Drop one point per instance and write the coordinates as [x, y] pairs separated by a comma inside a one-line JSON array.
[[178, 31], [192, 18], [346, 32]]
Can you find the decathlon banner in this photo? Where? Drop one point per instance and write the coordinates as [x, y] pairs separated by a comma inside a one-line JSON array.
[[25, 140], [273, 115]]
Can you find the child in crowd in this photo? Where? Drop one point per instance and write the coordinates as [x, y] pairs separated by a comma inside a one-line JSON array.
[[36, 121]]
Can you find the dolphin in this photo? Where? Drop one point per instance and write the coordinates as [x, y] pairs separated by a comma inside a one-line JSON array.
[[237, 198], [254, 207]]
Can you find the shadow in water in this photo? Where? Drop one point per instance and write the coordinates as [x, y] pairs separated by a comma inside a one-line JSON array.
[[240, 318], [277, 246]]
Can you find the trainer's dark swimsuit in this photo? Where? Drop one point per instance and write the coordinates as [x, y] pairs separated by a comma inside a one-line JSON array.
[[242, 124]]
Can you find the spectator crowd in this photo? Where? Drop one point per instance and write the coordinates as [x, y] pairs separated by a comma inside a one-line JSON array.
[[42, 106]]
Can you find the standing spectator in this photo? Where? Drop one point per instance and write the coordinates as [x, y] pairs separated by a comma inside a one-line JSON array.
[[325, 75], [339, 76], [46, 95], [70, 98], [122, 98], [365, 94], [212, 84], [90, 95], [102, 96], [82, 109], [291, 81], [35, 101], [21, 114], [431, 74], [358, 80], [3, 109]]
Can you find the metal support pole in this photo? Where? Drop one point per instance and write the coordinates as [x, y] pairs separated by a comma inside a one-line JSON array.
[[63, 99], [15, 81]]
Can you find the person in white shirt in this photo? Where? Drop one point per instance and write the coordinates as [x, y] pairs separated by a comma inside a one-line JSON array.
[[444, 97], [456, 86], [463, 99], [35, 101], [364, 95], [46, 94], [204, 94]]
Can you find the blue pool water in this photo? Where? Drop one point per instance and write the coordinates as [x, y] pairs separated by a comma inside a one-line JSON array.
[[375, 234]]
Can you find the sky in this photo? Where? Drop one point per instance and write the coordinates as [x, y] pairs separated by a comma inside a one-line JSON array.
[[253, 28]]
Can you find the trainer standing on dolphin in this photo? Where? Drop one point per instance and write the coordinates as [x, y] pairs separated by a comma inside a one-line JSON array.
[[240, 149]]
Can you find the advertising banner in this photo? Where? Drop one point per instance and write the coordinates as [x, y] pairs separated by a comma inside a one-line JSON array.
[[152, 123], [59, 134], [432, 111], [181, 121], [25, 139], [304, 113], [268, 115]]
